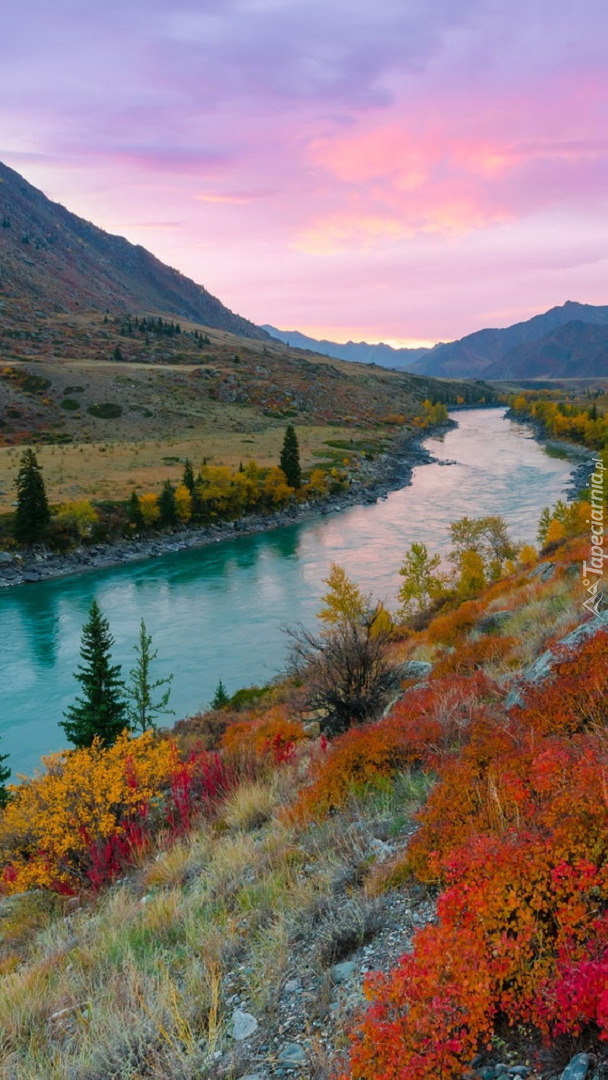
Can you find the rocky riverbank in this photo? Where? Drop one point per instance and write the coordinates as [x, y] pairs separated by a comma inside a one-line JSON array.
[[584, 458], [374, 480]]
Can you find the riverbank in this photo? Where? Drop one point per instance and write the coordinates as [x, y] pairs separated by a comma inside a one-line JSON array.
[[581, 473], [374, 480]]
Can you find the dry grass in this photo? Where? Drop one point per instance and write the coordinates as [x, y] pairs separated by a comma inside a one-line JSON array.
[[250, 805], [113, 469]]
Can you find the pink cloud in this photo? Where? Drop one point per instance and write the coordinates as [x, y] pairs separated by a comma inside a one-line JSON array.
[[444, 164]]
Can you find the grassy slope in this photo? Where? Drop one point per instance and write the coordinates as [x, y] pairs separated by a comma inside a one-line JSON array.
[[151, 972], [227, 400]]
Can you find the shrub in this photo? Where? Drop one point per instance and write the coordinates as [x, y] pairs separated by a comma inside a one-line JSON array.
[[472, 655], [70, 404], [105, 410]]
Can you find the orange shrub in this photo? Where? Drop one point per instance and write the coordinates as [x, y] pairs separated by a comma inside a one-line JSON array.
[[471, 655], [448, 629], [426, 724], [270, 737]]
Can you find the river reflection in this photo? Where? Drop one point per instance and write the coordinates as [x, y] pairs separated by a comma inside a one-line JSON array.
[[218, 612]]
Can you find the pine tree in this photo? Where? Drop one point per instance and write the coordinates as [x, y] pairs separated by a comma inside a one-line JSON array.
[[188, 476], [5, 772], [142, 710], [221, 697], [290, 458], [101, 711], [33, 514], [166, 504]]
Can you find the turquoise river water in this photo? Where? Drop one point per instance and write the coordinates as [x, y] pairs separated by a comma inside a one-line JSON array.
[[218, 611]]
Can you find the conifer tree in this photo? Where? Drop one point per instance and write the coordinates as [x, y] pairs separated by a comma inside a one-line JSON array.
[[290, 458], [142, 710], [166, 504], [101, 711], [221, 697], [188, 476], [5, 772], [33, 514]]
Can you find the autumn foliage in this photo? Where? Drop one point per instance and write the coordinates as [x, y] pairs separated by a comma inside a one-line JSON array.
[[82, 821], [516, 834]]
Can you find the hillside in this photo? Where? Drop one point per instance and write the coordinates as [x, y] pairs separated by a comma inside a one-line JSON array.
[[476, 354], [576, 349], [214, 916], [52, 261]]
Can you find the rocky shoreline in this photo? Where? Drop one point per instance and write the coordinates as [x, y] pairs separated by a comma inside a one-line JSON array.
[[375, 480], [581, 473]]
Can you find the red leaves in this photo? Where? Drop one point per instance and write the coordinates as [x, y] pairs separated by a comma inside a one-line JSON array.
[[516, 829]]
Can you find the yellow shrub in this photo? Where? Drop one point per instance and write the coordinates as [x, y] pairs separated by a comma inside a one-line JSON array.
[[85, 796]]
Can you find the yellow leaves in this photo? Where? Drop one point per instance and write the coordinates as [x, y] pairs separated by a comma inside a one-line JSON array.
[[183, 503], [344, 601], [79, 515], [148, 505], [84, 796]]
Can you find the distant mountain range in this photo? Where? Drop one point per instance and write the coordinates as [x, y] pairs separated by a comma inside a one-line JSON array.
[[58, 262], [360, 351], [566, 342]]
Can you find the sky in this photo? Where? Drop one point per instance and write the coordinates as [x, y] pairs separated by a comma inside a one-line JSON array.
[[406, 171]]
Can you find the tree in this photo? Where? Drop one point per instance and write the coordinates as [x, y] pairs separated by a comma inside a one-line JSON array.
[[142, 711], [5, 772], [289, 461], [344, 601], [488, 538], [166, 504], [101, 711], [33, 515], [421, 583], [221, 698], [347, 672], [188, 476]]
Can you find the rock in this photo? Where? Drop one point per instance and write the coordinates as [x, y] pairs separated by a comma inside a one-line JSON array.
[[6, 558], [544, 570], [494, 620], [415, 669], [292, 986], [341, 973], [577, 1069], [518, 1070], [292, 1054], [380, 849], [312, 729], [243, 1025]]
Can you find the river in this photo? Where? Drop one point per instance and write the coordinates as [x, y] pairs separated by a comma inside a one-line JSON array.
[[218, 611]]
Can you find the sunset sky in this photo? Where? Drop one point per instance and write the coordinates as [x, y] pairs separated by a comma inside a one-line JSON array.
[[397, 170]]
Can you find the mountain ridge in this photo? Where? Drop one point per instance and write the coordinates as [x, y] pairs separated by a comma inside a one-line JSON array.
[[60, 263], [480, 355]]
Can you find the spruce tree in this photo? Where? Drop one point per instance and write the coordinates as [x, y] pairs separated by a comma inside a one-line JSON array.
[[142, 710], [166, 504], [101, 711], [188, 476], [221, 698], [33, 515], [5, 772], [290, 458]]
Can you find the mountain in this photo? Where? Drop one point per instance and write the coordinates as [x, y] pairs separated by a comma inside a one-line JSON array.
[[359, 351], [568, 352], [60, 263], [492, 353], [475, 355]]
